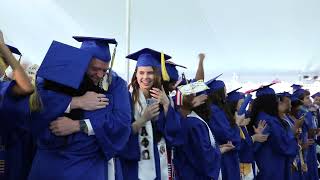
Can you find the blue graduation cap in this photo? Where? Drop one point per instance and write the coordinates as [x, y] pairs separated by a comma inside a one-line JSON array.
[[284, 94], [316, 95], [65, 64], [265, 90], [172, 70], [299, 92], [296, 87], [215, 84], [294, 97], [14, 50], [234, 95], [147, 57], [98, 47]]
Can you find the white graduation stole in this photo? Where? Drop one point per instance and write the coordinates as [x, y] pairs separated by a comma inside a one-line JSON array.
[[146, 165], [111, 170], [163, 159], [212, 140]]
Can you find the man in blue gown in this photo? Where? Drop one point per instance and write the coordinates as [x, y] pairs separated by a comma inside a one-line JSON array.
[[86, 112]]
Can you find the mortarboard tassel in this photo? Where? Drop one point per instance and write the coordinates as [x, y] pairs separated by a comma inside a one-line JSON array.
[[108, 78], [3, 65], [164, 72]]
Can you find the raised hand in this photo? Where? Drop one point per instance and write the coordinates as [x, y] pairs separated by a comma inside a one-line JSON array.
[[151, 112], [160, 95], [261, 127], [198, 100]]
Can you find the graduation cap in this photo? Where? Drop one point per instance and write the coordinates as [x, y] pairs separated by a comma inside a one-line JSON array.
[[215, 84], [98, 47], [14, 50], [150, 57], [298, 93], [172, 70], [294, 97], [193, 88], [265, 90], [147, 57], [296, 87], [284, 94], [65, 64], [316, 95], [234, 95], [3, 65]]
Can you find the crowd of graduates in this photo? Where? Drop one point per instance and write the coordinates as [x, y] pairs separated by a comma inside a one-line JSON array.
[[74, 118]]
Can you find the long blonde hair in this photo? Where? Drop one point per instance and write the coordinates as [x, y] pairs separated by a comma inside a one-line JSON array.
[[35, 102]]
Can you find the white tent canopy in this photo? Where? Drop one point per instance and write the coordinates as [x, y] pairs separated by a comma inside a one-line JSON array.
[[267, 39]]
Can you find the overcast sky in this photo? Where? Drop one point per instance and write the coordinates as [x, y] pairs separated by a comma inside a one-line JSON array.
[[242, 36]]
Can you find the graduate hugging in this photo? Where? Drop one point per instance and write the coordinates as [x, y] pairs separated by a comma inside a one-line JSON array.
[[74, 118]]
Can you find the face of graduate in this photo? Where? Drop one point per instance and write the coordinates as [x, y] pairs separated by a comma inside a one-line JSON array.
[[145, 77], [316, 100], [307, 101], [97, 70], [240, 102], [284, 105]]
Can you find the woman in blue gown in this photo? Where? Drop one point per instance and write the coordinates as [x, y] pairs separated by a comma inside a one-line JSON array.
[[274, 156], [154, 124], [224, 127]]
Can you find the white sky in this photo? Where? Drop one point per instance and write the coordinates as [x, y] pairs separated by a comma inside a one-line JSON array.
[[265, 38]]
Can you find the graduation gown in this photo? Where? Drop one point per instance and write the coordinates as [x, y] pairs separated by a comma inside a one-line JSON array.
[[246, 152], [223, 132], [311, 155], [168, 125], [274, 157], [196, 158], [16, 139], [79, 156]]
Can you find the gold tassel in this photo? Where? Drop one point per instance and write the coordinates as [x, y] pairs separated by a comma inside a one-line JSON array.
[[242, 134], [164, 72], [3, 65], [108, 78]]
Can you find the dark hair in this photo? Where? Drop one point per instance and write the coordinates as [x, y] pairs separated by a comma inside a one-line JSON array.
[[204, 110], [166, 86], [219, 98], [232, 106], [295, 106], [267, 104], [304, 94]]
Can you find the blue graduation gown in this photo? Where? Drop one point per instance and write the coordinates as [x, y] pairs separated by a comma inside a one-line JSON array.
[[246, 153], [296, 174], [196, 158], [274, 157], [79, 156], [311, 155], [15, 134], [223, 132], [168, 125]]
